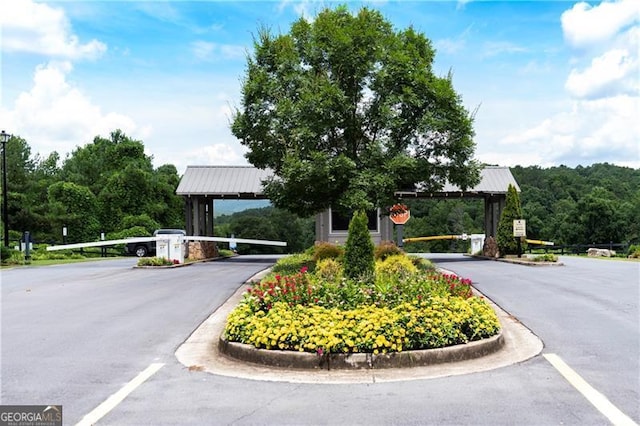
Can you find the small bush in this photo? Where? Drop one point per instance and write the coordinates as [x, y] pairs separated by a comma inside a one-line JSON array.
[[157, 261], [634, 251], [225, 253], [398, 266], [5, 253], [422, 264], [386, 249], [294, 263], [547, 257], [324, 250], [11, 256], [329, 270]]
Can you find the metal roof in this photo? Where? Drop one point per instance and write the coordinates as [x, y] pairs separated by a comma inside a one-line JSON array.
[[246, 182], [223, 181], [493, 180]]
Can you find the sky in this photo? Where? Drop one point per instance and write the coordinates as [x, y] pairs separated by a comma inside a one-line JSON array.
[[552, 82]]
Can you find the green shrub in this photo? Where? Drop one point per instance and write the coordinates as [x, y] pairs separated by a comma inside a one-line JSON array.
[[507, 243], [11, 256], [135, 231], [329, 270], [324, 250], [358, 256], [52, 255], [5, 253], [225, 253], [293, 264], [547, 257], [386, 249], [424, 265], [634, 251], [398, 266], [156, 261]]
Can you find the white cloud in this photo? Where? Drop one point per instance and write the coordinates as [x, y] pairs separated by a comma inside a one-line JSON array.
[[219, 154], [602, 124], [42, 29], [501, 47], [56, 116], [613, 73], [585, 25], [593, 131], [209, 51], [450, 46]]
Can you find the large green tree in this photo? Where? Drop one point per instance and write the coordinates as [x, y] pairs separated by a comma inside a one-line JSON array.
[[346, 110]]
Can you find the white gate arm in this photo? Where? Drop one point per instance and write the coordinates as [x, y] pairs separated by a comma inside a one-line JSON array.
[[164, 238], [235, 240]]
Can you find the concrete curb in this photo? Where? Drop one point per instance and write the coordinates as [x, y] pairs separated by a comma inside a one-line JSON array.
[[336, 361], [180, 265], [202, 352]]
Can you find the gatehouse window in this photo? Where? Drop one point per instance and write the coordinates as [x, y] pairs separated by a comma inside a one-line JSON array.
[[340, 222]]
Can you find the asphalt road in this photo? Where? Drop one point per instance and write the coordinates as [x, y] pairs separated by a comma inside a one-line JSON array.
[[77, 334]]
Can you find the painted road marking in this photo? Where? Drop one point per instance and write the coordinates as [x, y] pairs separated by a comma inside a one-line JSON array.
[[110, 403], [598, 400]]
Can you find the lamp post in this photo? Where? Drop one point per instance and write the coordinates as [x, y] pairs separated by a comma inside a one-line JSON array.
[[4, 138]]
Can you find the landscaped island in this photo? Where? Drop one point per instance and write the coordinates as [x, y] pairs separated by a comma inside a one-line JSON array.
[[308, 304]]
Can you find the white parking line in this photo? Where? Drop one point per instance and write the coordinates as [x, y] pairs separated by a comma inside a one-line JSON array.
[[110, 403], [598, 400]]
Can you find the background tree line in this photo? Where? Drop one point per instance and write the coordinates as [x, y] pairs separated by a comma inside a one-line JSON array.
[[583, 205], [109, 185]]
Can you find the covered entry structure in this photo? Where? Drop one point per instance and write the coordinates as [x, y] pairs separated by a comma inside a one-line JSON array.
[[201, 185]]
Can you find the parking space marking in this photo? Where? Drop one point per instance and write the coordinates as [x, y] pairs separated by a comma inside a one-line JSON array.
[[597, 399], [110, 403]]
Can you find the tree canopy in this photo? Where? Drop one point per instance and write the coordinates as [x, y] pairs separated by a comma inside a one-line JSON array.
[[346, 111], [107, 185]]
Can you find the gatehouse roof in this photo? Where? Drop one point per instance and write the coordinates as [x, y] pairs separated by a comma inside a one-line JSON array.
[[245, 182]]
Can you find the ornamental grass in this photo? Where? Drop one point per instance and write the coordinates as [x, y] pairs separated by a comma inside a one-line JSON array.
[[400, 308]]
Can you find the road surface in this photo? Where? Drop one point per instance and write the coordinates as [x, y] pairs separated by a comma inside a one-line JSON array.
[[78, 334]]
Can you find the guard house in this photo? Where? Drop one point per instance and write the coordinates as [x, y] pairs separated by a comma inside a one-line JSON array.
[[201, 185]]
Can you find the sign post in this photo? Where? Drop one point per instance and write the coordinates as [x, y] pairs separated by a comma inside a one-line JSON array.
[[399, 215], [519, 231]]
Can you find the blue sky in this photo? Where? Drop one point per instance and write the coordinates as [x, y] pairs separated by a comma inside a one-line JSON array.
[[554, 82]]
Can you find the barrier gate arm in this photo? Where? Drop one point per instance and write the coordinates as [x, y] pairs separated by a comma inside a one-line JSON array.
[[433, 238], [540, 242], [235, 240], [163, 238], [103, 243]]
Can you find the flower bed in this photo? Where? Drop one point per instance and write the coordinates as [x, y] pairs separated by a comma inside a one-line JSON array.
[[401, 308]]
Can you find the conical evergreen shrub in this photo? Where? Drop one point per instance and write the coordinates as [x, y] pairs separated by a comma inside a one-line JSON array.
[[358, 252], [507, 243]]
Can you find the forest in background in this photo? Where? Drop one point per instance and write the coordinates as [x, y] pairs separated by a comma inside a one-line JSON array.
[[111, 186]]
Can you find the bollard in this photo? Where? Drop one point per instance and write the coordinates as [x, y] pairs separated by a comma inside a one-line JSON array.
[[27, 243]]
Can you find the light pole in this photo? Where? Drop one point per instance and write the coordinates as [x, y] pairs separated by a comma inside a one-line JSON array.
[[4, 138]]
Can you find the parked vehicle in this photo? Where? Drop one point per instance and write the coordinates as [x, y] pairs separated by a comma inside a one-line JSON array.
[[148, 248]]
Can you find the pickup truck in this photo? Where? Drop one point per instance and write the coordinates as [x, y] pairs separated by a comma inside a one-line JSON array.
[[148, 248]]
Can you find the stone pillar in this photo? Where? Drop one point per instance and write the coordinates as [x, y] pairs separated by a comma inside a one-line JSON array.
[[199, 250]]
